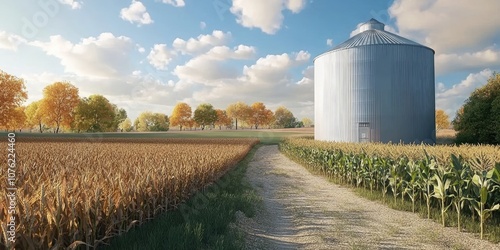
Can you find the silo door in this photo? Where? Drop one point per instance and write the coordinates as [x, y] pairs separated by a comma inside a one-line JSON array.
[[364, 132]]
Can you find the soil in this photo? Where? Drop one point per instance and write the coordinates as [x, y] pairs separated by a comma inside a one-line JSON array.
[[304, 211]]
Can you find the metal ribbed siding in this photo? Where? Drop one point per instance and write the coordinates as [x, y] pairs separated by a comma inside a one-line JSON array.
[[390, 86]]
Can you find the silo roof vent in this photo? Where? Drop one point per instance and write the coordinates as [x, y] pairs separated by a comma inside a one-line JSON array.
[[372, 24]]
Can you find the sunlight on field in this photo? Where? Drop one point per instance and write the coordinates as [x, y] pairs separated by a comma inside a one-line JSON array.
[[74, 190]]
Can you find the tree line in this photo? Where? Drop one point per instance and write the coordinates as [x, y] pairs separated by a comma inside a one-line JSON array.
[[61, 108]]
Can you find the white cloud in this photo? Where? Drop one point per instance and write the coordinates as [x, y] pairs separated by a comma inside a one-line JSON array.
[[390, 29], [308, 76], [160, 56], [210, 67], [329, 42], [203, 25], [274, 68], [295, 5], [176, 3], [136, 13], [451, 99], [204, 70], [462, 24], [74, 4], [224, 52], [264, 14], [140, 48], [302, 56], [103, 56], [446, 63], [10, 41], [202, 43], [356, 31]]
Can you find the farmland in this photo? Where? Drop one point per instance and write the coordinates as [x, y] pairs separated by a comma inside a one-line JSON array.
[[465, 179], [77, 191]]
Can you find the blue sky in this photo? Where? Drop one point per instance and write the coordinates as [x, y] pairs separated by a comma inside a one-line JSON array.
[[148, 55]]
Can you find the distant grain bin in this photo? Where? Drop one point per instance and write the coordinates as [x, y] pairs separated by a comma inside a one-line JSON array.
[[375, 87]]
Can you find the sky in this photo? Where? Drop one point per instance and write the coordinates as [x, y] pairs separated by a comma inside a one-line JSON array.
[[149, 55]]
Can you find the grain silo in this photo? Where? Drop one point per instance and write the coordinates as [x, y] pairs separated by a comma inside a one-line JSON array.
[[375, 87]]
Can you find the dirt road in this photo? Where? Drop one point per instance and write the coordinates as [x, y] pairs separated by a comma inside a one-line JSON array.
[[303, 211]]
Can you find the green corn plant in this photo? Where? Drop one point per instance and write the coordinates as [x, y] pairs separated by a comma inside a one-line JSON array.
[[383, 168], [427, 169], [413, 182], [404, 177], [395, 180], [441, 182], [357, 169], [371, 172], [483, 184], [459, 186]]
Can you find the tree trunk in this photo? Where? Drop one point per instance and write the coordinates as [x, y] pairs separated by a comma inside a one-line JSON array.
[[236, 123]]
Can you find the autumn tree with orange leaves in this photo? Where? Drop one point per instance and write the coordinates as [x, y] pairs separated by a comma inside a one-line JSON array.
[[442, 120], [259, 115], [222, 119], [59, 101], [181, 115], [17, 119], [12, 95]]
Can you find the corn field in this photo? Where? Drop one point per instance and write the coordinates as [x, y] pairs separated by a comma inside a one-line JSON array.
[[72, 192], [465, 178]]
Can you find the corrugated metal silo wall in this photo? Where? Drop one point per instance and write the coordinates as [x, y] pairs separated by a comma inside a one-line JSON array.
[[390, 87]]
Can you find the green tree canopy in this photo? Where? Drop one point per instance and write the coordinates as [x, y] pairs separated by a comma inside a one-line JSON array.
[[120, 116], [94, 114], [148, 121], [478, 121], [125, 125], [284, 118], [205, 114]]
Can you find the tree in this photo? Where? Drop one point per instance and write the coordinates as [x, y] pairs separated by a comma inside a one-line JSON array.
[[478, 121], [148, 121], [307, 122], [259, 114], [191, 123], [238, 111], [120, 116], [34, 116], [269, 118], [125, 125], [284, 118], [12, 95], [181, 115], [205, 114], [94, 114], [81, 116], [17, 119], [442, 120], [222, 119], [59, 101]]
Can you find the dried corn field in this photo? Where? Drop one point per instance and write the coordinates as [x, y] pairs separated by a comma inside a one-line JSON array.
[[72, 191]]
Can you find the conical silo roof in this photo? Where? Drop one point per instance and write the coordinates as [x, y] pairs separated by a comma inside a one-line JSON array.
[[373, 33]]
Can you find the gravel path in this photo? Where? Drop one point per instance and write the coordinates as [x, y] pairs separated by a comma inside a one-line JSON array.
[[303, 211]]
